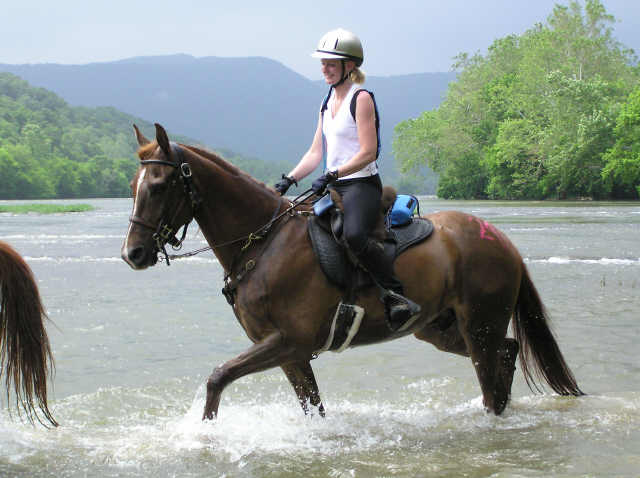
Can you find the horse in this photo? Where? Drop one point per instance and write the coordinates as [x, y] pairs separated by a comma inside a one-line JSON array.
[[25, 353], [468, 278]]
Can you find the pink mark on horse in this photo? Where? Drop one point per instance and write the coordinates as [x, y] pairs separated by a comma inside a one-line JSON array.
[[488, 231]]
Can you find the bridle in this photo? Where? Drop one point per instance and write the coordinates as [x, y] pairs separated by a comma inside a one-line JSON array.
[[164, 231]]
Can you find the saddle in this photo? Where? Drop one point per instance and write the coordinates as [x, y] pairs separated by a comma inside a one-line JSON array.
[[337, 262], [341, 267]]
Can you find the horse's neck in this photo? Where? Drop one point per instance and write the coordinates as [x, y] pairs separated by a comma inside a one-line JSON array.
[[233, 206]]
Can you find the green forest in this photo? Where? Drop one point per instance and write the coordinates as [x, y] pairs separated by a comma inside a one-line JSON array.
[[553, 113], [49, 149]]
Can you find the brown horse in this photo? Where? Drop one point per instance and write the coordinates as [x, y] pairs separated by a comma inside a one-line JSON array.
[[468, 278], [25, 354]]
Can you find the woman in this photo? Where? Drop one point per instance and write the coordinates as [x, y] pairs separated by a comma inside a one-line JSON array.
[[351, 143]]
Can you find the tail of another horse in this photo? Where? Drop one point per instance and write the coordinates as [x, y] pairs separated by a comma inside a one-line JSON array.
[[25, 354], [540, 355]]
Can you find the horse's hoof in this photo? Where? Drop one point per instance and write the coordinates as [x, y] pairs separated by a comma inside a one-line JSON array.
[[208, 416]]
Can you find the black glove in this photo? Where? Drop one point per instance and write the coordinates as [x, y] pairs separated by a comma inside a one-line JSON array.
[[284, 184], [320, 184]]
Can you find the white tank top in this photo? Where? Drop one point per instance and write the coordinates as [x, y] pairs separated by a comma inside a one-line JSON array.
[[341, 136]]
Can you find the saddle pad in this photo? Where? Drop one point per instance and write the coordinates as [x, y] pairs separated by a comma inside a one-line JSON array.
[[414, 232], [333, 259]]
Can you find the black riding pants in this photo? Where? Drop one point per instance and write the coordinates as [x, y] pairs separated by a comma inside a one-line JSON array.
[[361, 200]]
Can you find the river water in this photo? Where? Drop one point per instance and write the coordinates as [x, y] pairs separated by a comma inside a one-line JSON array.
[[133, 350]]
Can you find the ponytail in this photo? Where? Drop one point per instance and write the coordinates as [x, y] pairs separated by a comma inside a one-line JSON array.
[[357, 76]]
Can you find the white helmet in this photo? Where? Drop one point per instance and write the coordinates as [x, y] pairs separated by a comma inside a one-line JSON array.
[[340, 44]]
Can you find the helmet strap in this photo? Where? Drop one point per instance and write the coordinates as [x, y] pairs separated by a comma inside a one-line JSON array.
[[344, 75]]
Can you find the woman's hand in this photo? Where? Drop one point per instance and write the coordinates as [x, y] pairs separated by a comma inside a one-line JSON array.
[[320, 185], [284, 184]]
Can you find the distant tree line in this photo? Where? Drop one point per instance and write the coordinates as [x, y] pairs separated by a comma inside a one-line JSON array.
[[552, 113], [49, 149]]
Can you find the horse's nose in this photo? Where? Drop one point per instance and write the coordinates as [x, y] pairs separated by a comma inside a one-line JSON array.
[[135, 256]]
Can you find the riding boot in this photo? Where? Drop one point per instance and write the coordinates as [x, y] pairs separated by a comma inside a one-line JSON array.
[[399, 309]]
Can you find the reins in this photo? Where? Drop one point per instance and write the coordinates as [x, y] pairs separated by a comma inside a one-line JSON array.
[[252, 236], [164, 232]]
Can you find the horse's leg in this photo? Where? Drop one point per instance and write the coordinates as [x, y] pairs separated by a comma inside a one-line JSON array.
[[268, 353], [484, 330], [443, 333], [301, 377], [507, 356]]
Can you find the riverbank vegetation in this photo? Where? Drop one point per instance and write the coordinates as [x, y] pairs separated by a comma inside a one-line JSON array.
[[51, 150], [553, 113], [45, 208]]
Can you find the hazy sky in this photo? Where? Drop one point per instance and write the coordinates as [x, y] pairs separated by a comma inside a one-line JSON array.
[[399, 36]]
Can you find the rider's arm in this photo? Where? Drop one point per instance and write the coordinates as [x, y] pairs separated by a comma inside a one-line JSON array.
[[365, 122], [311, 158]]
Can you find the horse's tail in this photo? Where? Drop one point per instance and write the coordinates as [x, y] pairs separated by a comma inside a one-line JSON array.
[[540, 355], [25, 354]]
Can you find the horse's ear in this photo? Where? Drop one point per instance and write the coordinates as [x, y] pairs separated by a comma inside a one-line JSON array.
[[142, 140], [163, 139]]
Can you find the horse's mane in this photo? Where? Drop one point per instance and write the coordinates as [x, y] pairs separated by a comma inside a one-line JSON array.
[[226, 165], [145, 151], [217, 159]]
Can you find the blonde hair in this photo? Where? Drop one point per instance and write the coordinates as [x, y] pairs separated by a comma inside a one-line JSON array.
[[357, 76]]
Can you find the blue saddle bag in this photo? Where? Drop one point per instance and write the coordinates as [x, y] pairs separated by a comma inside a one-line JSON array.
[[402, 211]]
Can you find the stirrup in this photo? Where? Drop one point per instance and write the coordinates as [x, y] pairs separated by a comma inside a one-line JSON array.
[[401, 311]]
